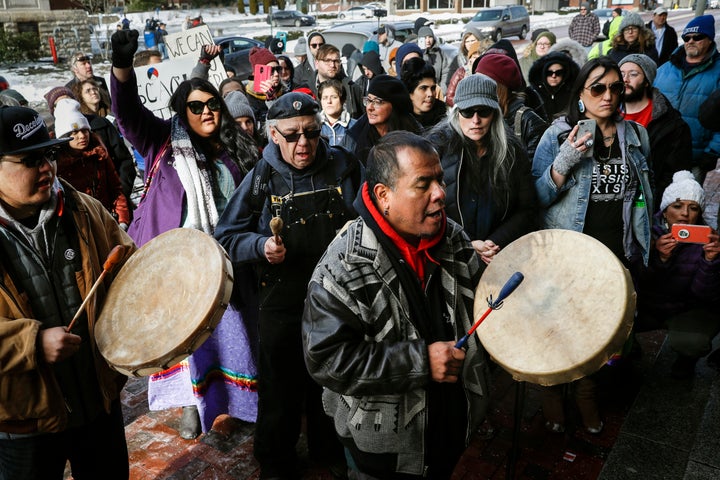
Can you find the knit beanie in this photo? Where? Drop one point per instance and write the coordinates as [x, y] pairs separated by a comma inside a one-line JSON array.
[[371, 61], [425, 32], [371, 46], [549, 35], [502, 69], [300, 47], [348, 49], [403, 50], [631, 19], [536, 33], [704, 25], [476, 90], [392, 90], [68, 117], [683, 187], [261, 56], [52, 96], [646, 63], [238, 105]]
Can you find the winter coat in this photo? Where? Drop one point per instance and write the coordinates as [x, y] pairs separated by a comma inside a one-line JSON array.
[[337, 132], [437, 114], [119, 153], [686, 92], [669, 42], [531, 127], [618, 52], [440, 57], [602, 48], [353, 95], [162, 207], [555, 99], [30, 397], [685, 282], [304, 73], [459, 74], [92, 172], [565, 207], [509, 214], [584, 28], [362, 345]]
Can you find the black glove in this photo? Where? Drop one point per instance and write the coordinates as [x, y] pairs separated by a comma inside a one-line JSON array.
[[124, 46], [206, 57]]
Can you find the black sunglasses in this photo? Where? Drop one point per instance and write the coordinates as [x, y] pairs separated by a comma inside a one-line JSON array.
[[556, 73], [483, 112], [597, 89], [277, 69], [294, 137], [316, 45], [698, 37], [37, 158], [197, 107]]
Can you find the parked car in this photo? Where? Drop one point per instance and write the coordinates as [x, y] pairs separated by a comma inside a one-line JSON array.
[[290, 18], [357, 12], [357, 33], [235, 51], [501, 22]]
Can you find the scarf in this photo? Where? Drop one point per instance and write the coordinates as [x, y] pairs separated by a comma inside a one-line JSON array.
[[201, 211]]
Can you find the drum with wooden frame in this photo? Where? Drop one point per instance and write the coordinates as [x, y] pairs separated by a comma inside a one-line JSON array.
[[164, 302], [571, 313]]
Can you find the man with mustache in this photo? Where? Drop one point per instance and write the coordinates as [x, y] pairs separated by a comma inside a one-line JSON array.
[[310, 186], [59, 399], [385, 307], [670, 137]]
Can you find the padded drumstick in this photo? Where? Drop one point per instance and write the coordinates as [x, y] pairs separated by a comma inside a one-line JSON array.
[[113, 258], [276, 226], [506, 290]]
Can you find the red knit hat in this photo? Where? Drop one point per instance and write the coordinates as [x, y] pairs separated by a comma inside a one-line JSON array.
[[502, 69], [261, 56]]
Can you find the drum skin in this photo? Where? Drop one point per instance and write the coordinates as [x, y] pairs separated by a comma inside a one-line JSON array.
[[571, 313], [164, 302]]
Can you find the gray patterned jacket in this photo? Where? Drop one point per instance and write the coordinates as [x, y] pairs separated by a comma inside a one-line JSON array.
[[362, 347]]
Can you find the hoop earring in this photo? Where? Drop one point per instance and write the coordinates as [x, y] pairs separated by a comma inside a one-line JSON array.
[[581, 106]]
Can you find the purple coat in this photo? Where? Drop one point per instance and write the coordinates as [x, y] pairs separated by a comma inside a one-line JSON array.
[[162, 208], [684, 282]]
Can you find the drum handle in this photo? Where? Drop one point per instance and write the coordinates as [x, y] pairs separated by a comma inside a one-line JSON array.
[[113, 258], [506, 290]]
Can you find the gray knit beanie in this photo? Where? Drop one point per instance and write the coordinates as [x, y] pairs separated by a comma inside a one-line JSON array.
[[646, 63], [238, 105], [631, 19]]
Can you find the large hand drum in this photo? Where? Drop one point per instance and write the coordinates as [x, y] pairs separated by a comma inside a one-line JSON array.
[[572, 312], [164, 302]]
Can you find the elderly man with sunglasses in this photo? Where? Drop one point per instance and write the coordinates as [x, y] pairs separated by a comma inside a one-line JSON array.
[[687, 80], [310, 187], [59, 400]]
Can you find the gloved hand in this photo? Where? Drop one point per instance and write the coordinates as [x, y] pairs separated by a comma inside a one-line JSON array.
[[567, 158], [209, 52], [124, 46]]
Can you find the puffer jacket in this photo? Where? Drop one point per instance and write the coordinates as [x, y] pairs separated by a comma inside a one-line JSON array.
[[30, 397], [531, 127], [362, 346], [686, 92]]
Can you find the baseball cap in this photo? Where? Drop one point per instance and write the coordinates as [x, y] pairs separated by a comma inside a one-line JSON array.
[[23, 130]]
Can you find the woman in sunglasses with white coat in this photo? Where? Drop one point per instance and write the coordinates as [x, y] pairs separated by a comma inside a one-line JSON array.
[[487, 172], [597, 183], [194, 161]]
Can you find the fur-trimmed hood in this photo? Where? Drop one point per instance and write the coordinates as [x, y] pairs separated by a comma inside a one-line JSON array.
[[574, 49]]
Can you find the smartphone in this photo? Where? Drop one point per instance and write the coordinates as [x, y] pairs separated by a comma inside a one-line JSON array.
[[260, 74], [691, 233], [586, 126]]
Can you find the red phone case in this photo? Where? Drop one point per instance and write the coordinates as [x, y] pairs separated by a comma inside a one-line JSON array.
[[691, 233], [260, 74]]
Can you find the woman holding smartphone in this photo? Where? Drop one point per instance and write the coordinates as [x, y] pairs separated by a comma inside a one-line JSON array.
[[596, 183], [679, 290]]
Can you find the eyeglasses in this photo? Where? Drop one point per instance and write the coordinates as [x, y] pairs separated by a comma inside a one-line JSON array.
[[335, 61], [316, 45], [597, 89], [482, 112], [543, 44], [36, 158], [583, 9], [633, 74], [631, 29], [197, 107], [694, 38], [294, 137], [556, 73], [375, 102]]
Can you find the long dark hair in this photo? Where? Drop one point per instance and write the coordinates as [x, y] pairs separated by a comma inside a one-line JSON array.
[[238, 145], [608, 65]]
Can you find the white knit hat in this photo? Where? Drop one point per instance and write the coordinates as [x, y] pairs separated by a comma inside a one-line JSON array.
[[68, 117], [683, 187]]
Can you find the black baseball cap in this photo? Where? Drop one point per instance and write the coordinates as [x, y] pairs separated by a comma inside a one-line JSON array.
[[23, 130]]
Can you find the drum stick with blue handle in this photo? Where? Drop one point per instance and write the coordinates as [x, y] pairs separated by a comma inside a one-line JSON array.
[[506, 290], [113, 258]]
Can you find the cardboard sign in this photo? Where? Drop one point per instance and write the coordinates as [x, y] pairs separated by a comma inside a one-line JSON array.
[[190, 43]]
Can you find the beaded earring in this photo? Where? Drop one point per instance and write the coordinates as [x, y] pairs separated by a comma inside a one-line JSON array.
[[581, 106]]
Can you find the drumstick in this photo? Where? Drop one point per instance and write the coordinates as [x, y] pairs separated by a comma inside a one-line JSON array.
[[113, 258], [506, 290], [276, 226]]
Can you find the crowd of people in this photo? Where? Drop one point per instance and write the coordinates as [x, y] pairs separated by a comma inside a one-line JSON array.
[[396, 173]]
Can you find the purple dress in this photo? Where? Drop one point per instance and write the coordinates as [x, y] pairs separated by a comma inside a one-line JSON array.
[[220, 376]]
